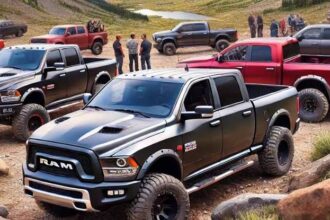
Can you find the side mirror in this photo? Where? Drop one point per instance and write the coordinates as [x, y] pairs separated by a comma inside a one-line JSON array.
[[220, 58], [86, 98], [300, 38], [201, 111], [59, 66]]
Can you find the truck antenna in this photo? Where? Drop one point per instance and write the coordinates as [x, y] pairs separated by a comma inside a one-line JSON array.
[[186, 68]]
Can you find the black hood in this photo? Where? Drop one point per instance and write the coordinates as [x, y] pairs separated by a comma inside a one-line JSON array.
[[91, 128], [10, 76]]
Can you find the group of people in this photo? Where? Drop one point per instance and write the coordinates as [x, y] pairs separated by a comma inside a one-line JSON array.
[[134, 49], [284, 27]]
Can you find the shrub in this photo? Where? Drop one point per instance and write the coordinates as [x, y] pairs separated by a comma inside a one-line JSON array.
[[321, 146], [300, 3], [264, 213]]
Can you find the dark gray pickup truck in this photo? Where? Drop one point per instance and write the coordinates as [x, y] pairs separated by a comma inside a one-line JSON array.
[[153, 137], [189, 34]]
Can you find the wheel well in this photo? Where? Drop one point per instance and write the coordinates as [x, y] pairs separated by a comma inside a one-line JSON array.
[[167, 165], [313, 84], [283, 121], [168, 41], [103, 79], [36, 98], [98, 40]]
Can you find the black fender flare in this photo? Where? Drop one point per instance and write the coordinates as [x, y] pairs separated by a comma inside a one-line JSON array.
[[30, 91], [276, 115], [152, 159], [166, 39], [100, 74], [315, 78]]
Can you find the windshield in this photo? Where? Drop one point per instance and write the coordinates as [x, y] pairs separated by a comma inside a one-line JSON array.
[[21, 58], [57, 31], [149, 98]]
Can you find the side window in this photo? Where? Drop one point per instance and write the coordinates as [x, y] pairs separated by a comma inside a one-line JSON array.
[[326, 34], [198, 27], [198, 94], [261, 54], [236, 54], [81, 30], [72, 30], [54, 57], [228, 90], [313, 33], [186, 28], [71, 57]]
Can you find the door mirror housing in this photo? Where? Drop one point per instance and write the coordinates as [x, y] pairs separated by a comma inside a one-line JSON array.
[[86, 98], [201, 111], [59, 66], [220, 58]]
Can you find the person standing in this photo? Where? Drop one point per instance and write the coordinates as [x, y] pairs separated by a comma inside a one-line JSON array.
[[282, 26], [260, 25], [252, 25], [132, 46], [145, 52], [274, 29], [119, 54]]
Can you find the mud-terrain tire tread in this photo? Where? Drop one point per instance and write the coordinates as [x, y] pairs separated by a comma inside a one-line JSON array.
[[172, 46], [155, 183], [95, 45], [268, 157], [221, 41]]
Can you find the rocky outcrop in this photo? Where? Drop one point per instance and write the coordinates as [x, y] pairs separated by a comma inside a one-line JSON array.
[[231, 209], [308, 203], [3, 211], [312, 174], [4, 169]]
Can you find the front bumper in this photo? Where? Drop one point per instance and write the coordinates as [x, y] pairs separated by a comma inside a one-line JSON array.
[[72, 193], [297, 125]]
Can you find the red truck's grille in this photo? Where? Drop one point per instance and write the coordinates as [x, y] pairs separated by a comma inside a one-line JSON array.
[[39, 41]]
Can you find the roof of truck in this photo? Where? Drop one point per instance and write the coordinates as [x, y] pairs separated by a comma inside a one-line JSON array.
[[176, 74], [270, 40]]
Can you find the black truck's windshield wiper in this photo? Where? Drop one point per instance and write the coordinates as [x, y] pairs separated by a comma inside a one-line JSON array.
[[131, 111], [96, 107]]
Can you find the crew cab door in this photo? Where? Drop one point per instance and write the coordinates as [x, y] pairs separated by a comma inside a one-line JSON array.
[[260, 66], [82, 36], [72, 37], [325, 42], [310, 41], [76, 72], [202, 139], [54, 83], [236, 115], [200, 34], [184, 35], [234, 58]]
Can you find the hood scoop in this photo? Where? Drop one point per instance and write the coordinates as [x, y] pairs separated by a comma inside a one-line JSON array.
[[7, 74], [111, 130], [59, 120]]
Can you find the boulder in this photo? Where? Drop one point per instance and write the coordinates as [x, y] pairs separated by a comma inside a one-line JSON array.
[[312, 174], [308, 203], [3, 211], [4, 169], [231, 209]]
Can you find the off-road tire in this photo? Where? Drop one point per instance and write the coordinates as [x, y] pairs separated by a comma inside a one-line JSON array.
[[56, 211], [319, 99], [221, 44], [153, 188], [23, 127], [276, 157], [169, 49], [97, 48], [19, 33]]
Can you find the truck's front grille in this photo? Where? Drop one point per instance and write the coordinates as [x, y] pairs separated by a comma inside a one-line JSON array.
[[52, 164], [63, 192]]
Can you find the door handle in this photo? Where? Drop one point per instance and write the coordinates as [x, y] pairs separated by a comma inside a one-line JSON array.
[[82, 71], [62, 75], [270, 68], [247, 113], [239, 67], [215, 123]]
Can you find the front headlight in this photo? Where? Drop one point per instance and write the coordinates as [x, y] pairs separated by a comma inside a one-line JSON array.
[[10, 96], [119, 168]]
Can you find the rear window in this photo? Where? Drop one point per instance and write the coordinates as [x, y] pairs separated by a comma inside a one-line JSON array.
[[228, 90], [291, 50], [71, 57], [261, 54]]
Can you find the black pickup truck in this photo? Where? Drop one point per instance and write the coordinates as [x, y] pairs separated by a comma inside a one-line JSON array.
[[36, 79], [189, 34], [153, 137]]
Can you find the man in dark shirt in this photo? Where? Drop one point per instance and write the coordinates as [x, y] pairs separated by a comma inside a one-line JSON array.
[[119, 54], [260, 24], [145, 52], [252, 25]]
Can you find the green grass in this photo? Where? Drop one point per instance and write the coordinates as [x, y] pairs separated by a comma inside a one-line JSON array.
[[264, 213], [321, 146]]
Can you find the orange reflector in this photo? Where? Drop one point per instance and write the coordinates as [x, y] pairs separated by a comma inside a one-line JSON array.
[[132, 162]]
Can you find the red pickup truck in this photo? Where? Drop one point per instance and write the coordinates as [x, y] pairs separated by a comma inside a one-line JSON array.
[[74, 34], [277, 61]]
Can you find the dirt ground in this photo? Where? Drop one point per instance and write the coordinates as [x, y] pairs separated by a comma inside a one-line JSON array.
[[202, 202]]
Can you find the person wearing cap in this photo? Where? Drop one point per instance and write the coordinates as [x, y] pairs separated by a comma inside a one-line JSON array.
[[132, 46], [119, 54]]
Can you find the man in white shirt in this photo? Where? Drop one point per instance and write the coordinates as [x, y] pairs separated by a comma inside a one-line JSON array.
[[132, 45]]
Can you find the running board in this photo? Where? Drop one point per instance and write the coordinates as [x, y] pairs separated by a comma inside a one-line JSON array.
[[63, 106], [207, 182]]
